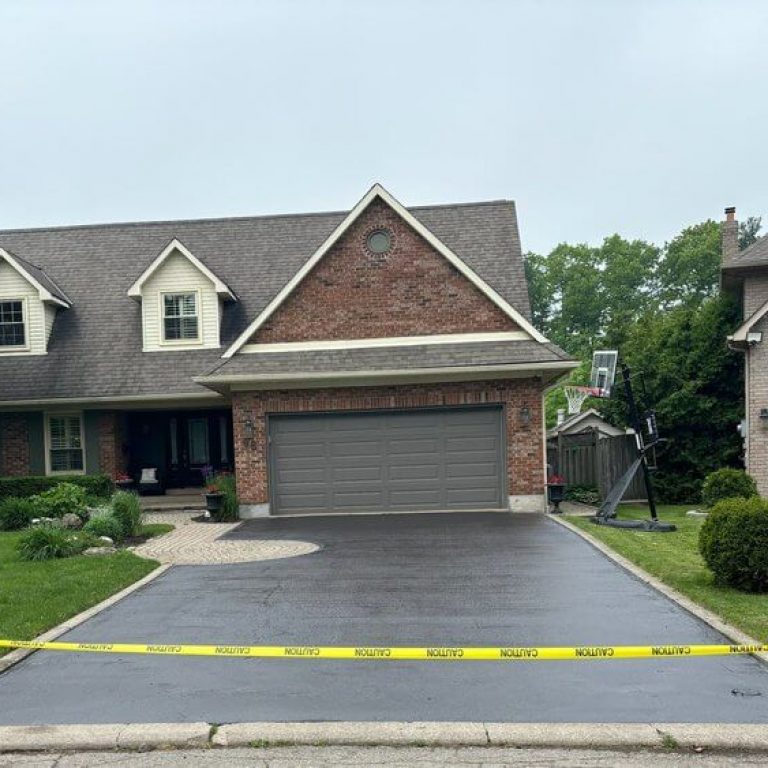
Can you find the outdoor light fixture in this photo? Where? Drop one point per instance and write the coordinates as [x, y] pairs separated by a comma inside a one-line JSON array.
[[525, 415], [248, 429], [755, 337]]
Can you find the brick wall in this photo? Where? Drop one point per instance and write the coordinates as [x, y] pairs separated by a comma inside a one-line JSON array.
[[755, 295], [14, 445], [524, 440], [352, 294], [112, 460]]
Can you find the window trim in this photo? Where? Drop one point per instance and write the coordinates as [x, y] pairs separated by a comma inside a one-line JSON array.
[[198, 340], [47, 440], [26, 347]]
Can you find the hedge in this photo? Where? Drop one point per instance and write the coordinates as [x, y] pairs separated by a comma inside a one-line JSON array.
[[23, 487]]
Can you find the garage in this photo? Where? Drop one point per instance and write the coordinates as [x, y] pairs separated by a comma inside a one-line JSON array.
[[387, 461]]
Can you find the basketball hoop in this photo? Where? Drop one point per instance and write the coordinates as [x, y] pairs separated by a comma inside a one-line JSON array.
[[576, 397]]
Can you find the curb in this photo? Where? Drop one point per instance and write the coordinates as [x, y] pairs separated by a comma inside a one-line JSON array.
[[712, 619], [14, 657], [151, 736]]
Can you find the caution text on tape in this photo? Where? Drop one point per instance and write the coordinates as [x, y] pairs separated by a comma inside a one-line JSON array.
[[401, 653]]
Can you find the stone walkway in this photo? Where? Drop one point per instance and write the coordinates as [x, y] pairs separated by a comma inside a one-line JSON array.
[[192, 543]]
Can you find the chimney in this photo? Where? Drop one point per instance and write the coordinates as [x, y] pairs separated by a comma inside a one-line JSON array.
[[560, 416], [730, 235]]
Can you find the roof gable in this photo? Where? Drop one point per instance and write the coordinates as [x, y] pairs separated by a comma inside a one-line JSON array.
[[37, 278], [378, 192], [176, 246]]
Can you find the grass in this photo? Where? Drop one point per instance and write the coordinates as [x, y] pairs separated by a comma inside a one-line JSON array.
[[36, 596], [674, 559]]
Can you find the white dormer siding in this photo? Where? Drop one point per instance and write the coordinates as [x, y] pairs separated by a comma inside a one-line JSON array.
[[177, 275], [36, 325]]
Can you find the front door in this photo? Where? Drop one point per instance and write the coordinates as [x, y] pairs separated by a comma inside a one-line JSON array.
[[192, 441]]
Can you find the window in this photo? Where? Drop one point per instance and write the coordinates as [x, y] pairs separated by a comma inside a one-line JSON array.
[[65, 443], [12, 332], [180, 318]]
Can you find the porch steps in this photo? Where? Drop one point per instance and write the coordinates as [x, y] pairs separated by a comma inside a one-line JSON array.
[[173, 501]]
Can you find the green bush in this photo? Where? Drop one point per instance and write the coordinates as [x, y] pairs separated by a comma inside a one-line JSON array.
[[62, 499], [127, 510], [46, 542], [98, 486], [584, 494], [734, 543], [16, 514], [229, 508], [727, 484], [105, 525]]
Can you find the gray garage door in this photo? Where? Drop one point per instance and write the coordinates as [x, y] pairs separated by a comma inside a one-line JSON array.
[[380, 461]]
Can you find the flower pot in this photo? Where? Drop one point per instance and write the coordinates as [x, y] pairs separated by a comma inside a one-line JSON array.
[[214, 501], [556, 494]]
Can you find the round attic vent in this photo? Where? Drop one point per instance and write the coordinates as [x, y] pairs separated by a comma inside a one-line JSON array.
[[379, 241]]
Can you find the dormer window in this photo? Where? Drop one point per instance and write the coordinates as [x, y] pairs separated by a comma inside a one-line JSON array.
[[12, 325], [181, 321]]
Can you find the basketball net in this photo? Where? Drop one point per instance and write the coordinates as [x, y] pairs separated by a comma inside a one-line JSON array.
[[576, 397]]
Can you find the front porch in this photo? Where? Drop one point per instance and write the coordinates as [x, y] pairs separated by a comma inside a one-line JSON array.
[[183, 446]]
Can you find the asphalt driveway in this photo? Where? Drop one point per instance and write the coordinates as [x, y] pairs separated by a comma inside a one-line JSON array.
[[430, 579]]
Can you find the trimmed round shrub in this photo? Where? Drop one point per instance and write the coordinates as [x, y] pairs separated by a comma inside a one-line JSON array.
[[46, 542], [734, 543], [15, 514], [727, 484], [62, 499], [127, 510], [106, 525]]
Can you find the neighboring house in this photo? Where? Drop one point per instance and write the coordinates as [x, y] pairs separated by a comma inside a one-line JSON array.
[[745, 274], [587, 421], [379, 359]]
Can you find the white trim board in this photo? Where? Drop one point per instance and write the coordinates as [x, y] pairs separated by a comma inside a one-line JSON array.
[[304, 380], [740, 334], [386, 341], [377, 191], [43, 292], [220, 287]]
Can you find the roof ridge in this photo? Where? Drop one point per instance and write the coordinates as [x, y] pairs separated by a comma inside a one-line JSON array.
[[217, 219]]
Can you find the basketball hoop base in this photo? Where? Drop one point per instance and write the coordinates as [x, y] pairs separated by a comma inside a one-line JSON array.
[[647, 526]]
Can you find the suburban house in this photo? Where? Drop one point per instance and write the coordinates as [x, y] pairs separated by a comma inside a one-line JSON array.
[[379, 359], [745, 274]]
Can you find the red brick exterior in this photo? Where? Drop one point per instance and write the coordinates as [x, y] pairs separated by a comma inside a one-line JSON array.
[[525, 461], [411, 291], [112, 459], [14, 445]]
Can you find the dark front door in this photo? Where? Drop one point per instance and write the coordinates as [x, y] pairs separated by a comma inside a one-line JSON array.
[[181, 444]]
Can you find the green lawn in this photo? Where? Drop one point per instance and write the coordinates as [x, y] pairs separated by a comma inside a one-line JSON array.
[[37, 596], [674, 559]]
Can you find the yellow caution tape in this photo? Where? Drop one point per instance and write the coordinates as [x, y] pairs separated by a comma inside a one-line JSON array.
[[584, 652]]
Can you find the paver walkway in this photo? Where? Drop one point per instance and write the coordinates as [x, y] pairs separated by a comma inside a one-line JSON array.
[[195, 543]]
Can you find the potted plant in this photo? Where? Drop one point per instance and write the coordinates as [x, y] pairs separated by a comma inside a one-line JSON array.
[[556, 491], [214, 498], [124, 482]]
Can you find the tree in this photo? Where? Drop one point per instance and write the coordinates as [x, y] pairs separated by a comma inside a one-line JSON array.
[[748, 231], [695, 385]]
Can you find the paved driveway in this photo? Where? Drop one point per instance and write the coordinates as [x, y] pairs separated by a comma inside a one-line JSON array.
[[442, 579]]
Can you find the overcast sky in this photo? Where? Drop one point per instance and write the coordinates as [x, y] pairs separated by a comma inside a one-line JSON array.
[[596, 117]]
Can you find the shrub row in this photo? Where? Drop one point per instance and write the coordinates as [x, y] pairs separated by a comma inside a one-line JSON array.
[[23, 487], [727, 484]]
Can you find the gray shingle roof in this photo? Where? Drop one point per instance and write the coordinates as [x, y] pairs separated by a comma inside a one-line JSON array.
[[95, 347], [755, 255], [382, 359], [38, 274]]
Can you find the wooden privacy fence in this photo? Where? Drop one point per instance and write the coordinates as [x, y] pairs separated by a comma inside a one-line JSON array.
[[587, 459]]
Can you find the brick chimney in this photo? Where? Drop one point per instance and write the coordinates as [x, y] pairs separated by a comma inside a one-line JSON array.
[[730, 235]]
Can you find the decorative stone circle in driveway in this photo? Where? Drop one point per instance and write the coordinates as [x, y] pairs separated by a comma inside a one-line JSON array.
[[192, 543]]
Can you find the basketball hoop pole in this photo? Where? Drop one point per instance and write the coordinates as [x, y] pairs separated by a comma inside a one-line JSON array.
[[634, 417]]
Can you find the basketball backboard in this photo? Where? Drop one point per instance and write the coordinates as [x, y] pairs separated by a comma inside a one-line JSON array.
[[603, 371]]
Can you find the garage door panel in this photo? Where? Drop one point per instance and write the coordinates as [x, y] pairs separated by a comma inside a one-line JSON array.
[[378, 461]]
